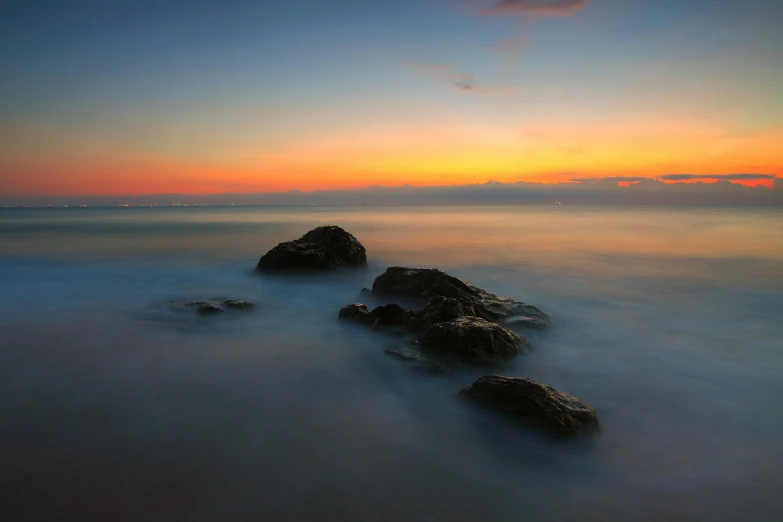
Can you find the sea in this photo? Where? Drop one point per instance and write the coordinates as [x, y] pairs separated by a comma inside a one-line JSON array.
[[116, 407]]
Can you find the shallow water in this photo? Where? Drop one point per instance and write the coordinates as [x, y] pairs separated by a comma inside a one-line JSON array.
[[112, 407]]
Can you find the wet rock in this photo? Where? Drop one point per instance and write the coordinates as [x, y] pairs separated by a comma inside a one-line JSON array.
[[365, 293], [416, 361], [356, 312], [207, 308], [442, 309], [322, 248], [439, 309], [425, 283], [388, 316], [238, 304], [473, 340], [214, 306], [532, 401]]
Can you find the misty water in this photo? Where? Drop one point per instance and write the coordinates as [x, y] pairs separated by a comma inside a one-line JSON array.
[[669, 321]]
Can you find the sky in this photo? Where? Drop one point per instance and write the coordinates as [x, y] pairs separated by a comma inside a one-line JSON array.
[[206, 97]]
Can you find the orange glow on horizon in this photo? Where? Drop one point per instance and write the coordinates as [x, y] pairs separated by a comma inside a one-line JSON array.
[[454, 154]]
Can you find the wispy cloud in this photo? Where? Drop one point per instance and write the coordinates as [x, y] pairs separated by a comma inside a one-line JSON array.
[[767, 180], [645, 191], [524, 11], [612, 179], [728, 177], [462, 81], [533, 7]]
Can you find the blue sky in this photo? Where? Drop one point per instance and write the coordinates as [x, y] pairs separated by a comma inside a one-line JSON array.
[[205, 82]]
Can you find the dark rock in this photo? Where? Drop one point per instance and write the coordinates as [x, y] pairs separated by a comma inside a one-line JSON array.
[[533, 401], [238, 304], [320, 249], [439, 309], [416, 361], [356, 312], [473, 340], [207, 308], [214, 306], [389, 316], [442, 309], [365, 293], [425, 283]]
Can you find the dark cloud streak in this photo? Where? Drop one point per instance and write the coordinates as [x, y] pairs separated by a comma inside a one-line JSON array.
[[728, 177], [587, 191], [462, 81], [614, 179], [535, 7]]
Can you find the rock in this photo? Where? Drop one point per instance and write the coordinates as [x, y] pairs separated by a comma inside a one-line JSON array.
[[438, 310], [320, 249], [214, 306], [354, 312], [238, 304], [425, 283], [442, 309], [207, 308], [383, 317], [533, 401], [473, 340], [416, 361], [390, 315]]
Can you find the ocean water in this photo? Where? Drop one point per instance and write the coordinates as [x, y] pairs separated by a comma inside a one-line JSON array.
[[669, 321]]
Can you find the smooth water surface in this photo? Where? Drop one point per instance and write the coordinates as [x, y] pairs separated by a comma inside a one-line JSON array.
[[113, 407]]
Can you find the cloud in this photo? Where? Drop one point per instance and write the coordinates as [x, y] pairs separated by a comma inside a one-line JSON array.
[[768, 180], [614, 179], [462, 81], [728, 177], [583, 191], [534, 7], [524, 11]]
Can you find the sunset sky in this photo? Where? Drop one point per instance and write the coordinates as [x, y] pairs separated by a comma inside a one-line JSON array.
[[197, 97]]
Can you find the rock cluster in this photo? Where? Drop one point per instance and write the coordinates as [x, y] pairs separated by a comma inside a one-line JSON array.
[[457, 319], [466, 324], [452, 320], [425, 283]]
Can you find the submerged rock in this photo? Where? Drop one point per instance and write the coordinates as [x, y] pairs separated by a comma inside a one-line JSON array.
[[425, 283], [214, 306], [532, 401], [416, 361], [238, 304], [473, 340], [207, 308], [320, 249]]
